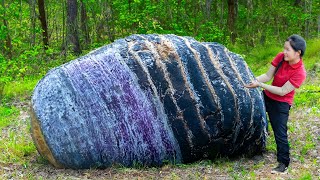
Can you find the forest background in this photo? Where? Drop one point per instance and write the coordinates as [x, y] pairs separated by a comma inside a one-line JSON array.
[[37, 35]]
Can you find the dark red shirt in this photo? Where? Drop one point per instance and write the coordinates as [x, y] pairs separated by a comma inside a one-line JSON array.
[[294, 73]]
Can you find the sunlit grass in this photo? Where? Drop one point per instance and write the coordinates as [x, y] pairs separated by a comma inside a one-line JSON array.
[[15, 141], [313, 47], [306, 175], [17, 148], [19, 89], [6, 115], [308, 96]]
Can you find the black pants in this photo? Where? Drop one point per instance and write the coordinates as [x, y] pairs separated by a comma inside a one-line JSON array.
[[278, 113]]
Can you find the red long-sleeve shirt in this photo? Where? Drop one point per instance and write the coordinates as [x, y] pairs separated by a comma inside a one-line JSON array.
[[294, 73]]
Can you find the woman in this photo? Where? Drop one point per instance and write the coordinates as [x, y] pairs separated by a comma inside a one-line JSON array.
[[289, 73]]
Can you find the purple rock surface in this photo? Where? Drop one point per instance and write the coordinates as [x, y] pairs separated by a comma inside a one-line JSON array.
[[147, 99]]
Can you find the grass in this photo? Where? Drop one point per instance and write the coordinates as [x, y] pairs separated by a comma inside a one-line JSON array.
[[6, 115], [19, 158], [15, 142], [19, 90], [309, 96]]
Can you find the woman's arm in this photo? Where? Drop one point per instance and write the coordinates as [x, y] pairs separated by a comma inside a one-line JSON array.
[[259, 82], [281, 91], [267, 76]]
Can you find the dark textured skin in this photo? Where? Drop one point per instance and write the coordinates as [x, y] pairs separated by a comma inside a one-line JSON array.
[[147, 99]]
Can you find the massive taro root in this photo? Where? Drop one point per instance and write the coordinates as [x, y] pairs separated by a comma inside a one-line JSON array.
[[147, 99]]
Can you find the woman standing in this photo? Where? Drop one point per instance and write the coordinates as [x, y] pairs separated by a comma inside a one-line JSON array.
[[288, 73]]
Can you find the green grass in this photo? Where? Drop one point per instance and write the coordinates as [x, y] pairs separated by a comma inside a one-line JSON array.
[[306, 176], [17, 148], [259, 58], [7, 115], [309, 96], [19, 90], [15, 142], [312, 53]]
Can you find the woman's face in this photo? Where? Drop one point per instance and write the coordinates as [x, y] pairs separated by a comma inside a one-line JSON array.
[[289, 53]]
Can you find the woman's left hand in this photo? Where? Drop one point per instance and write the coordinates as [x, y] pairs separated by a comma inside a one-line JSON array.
[[253, 84]]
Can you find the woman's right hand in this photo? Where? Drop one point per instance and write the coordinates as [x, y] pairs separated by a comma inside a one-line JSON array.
[[253, 84]]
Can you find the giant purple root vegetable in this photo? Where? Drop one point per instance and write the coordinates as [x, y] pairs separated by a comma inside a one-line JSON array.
[[147, 99]]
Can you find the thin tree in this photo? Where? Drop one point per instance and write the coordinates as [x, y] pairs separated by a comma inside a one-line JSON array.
[[108, 17], [307, 11], [72, 26], [208, 9], [297, 2], [32, 5], [8, 45], [84, 23], [7, 50], [249, 24], [319, 26], [221, 15], [44, 26], [232, 15], [63, 33], [129, 7]]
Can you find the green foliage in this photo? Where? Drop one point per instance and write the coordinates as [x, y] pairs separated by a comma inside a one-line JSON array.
[[209, 32], [6, 115], [108, 21]]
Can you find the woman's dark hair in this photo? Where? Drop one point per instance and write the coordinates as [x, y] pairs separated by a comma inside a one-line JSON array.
[[297, 43]]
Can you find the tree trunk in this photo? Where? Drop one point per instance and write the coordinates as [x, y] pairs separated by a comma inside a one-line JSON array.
[[8, 45], [72, 26], [129, 8], [195, 11], [84, 23], [20, 14], [108, 21], [64, 41], [307, 10], [44, 26], [296, 2], [168, 9], [221, 23], [32, 5], [208, 9], [232, 13], [250, 7], [319, 26], [250, 30]]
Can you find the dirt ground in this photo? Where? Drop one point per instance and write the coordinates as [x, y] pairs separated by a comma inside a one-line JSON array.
[[302, 166], [242, 168]]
